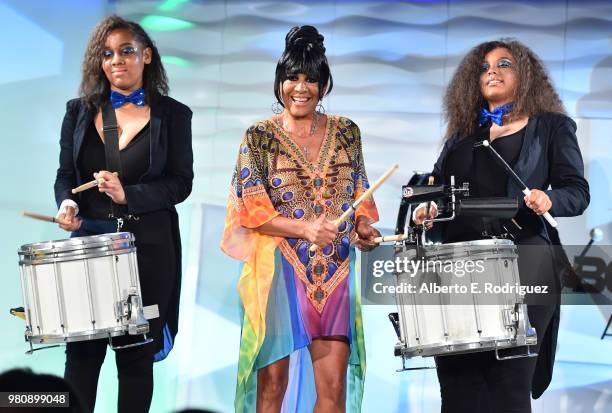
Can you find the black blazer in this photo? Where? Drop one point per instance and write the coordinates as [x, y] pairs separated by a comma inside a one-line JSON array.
[[168, 180], [549, 158]]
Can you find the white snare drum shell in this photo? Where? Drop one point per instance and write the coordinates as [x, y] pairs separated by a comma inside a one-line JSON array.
[[448, 327], [77, 289]]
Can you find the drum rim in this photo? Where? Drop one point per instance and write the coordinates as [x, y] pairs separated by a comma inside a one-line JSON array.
[[46, 248], [490, 344], [477, 243], [77, 335], [483, 246], [77, 256]]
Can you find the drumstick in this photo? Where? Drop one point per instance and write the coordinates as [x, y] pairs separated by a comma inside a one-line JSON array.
[[430, 182], [46, 218], [88, 185], [359, 200], [389, 238], [18, 312], [518, 180]]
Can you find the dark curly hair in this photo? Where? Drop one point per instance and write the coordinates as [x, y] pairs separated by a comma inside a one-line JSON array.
[[95, 87], [534, 95], [304, 53]]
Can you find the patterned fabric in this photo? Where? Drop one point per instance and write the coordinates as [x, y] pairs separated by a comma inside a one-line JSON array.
[[289, 295]]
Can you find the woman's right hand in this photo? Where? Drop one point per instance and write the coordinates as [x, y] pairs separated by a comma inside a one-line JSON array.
[[420, 214], [73, 222], [321, 232]]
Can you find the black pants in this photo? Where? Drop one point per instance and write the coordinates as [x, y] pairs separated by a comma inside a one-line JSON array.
[[159, 282], [478, 382], [134, 369]]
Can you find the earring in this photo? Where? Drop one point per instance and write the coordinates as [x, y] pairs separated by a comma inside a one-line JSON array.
[[320, 108], [277, 108]]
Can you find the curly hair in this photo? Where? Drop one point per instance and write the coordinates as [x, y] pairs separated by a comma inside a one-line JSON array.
[[95, 87], [534, 94], [304, 53]]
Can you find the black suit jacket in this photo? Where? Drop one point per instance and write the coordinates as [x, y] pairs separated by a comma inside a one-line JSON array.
[[169, 178], [549, 157], [167, 182], [549, 160]]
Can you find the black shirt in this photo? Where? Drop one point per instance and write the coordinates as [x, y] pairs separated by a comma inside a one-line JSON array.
[[491, 178], [134, 164], [486, 178]]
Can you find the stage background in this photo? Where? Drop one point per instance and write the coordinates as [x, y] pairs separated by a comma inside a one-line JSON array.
[[390, 62]]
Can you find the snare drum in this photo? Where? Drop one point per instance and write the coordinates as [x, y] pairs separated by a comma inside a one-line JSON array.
[[81, 288], [454, 326]]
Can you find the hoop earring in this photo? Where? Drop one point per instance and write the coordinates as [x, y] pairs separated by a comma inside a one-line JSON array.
[[277, 108], [320, 108]]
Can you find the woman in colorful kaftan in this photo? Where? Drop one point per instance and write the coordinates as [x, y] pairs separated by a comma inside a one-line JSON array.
[[295, 174]]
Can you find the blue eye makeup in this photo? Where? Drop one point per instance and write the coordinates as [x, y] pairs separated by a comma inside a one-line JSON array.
[[501, 64], [128, 50], [504, 64], [124, 51]]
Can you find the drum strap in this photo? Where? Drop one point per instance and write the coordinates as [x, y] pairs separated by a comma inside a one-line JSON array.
[[111, 150]]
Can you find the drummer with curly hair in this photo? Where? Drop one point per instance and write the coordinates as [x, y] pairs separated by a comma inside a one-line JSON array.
[[502, 93], [123, 73]]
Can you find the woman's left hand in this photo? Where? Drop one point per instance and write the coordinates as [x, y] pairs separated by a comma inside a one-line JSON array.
[[111, 186], [366, 234], [538, 201]]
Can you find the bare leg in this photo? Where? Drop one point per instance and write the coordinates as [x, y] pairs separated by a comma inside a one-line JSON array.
[[329, 360], [271, 385]]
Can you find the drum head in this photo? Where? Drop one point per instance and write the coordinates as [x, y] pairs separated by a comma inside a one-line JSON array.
[[76, 248]]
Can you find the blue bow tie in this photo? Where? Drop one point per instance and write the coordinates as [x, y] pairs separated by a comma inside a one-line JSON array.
[[496, 116], [136, 97]]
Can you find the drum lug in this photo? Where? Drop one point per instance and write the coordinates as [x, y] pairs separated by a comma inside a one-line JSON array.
[[137, 323], [120, 309], [510, 317]]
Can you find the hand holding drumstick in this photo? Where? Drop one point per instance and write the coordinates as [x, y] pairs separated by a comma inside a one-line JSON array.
[[108, 183], [367, 233], [111, 186], [67, 219]]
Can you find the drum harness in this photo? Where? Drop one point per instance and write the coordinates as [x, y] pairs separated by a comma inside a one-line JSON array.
[[113, 161]]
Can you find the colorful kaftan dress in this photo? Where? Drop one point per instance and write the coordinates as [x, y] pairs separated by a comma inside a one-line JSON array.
[[289, 295]]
